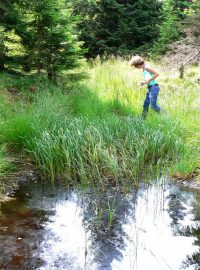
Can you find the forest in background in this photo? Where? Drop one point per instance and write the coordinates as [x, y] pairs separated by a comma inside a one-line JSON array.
[[54, 36]]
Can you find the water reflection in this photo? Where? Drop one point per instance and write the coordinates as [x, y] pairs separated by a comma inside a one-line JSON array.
[[107, 239], [186, 206], [155, 227], [152, 243], [67, 242]]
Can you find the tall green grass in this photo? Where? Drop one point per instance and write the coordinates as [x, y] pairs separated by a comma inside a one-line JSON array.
[[180, 99], [94, 131], [120, 149]]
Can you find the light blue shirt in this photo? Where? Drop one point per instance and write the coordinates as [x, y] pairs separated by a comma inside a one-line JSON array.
[[147, 76]]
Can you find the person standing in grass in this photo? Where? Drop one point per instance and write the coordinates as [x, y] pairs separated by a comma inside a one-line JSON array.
[[150, 75]]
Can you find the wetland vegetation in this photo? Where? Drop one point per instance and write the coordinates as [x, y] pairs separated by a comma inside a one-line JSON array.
[[94, 132]]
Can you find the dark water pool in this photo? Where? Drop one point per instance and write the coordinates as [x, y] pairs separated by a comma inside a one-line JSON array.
[[155, 227]]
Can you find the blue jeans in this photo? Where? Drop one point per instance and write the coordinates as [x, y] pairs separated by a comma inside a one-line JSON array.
[[151, 98]]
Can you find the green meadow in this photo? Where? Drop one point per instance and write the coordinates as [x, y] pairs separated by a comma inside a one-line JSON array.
[[91, 131]]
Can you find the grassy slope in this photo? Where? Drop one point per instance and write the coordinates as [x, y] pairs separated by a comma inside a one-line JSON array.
[[94, 132]]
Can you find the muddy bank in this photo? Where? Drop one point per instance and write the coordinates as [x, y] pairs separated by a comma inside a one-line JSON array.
[[9, 184]]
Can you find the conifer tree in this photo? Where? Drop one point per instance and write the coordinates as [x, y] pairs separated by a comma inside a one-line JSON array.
[[2, 49], [50, 39], [9, 19], [118, 26]]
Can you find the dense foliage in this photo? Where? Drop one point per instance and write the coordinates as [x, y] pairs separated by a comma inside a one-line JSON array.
[[111, 26], [46, 36], [192, 25], [39, 35]]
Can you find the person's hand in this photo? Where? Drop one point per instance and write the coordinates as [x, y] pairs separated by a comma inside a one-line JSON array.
[[142, 83], [147, 81]]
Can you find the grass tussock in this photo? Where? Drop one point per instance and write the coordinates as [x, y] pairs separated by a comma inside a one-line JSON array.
[[93, 131], [119, 149]]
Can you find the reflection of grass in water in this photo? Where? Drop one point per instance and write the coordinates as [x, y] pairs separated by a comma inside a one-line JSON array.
[[93, 132], [194, 259], [111, 210]]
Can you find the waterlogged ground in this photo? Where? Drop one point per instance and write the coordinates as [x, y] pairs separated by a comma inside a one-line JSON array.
[[156, 227]]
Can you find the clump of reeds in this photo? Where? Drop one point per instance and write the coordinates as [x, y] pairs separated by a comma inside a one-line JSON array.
[[118, 149]]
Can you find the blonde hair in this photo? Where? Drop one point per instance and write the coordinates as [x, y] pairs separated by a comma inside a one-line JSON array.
[[136, 61]]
